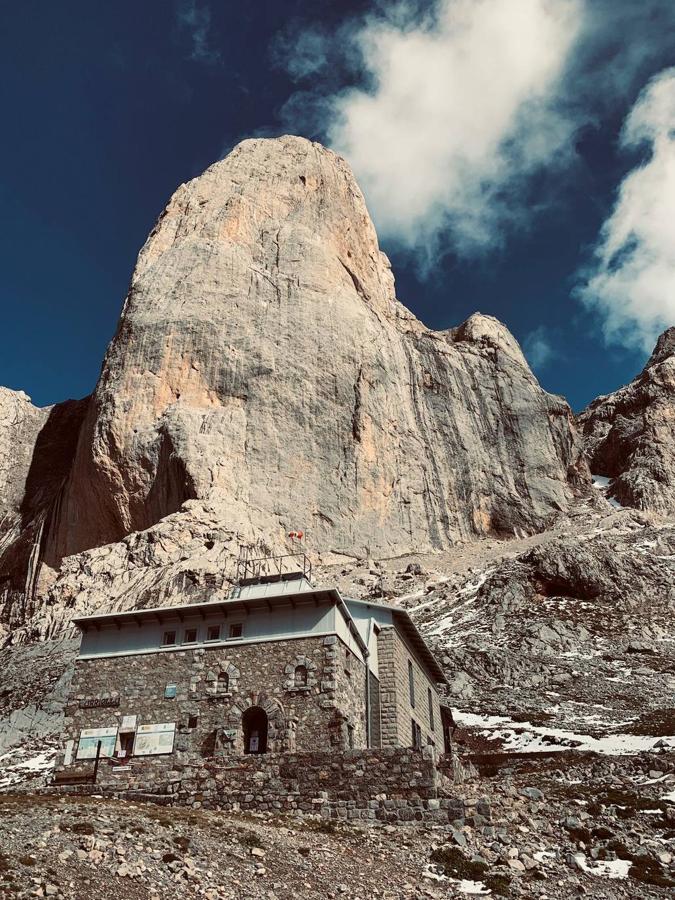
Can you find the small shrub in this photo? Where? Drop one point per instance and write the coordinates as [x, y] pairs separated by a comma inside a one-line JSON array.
[[249, 838]]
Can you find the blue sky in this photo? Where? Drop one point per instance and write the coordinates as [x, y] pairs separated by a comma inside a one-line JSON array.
[[517, 156]]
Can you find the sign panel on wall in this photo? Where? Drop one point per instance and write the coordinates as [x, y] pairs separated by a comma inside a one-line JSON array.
[[96, 702], [89, 738], [152, 740]]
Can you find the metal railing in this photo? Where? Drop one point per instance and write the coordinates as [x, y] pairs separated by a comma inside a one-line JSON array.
[[269, 568]]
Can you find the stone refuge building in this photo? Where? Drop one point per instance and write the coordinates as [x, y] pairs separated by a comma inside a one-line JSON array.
[[280, 667]]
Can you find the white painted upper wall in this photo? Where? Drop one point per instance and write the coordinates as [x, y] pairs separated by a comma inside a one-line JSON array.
[[280, 623], [368, 618]]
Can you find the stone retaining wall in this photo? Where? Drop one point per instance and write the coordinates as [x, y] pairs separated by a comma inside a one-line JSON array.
[[388, 785]]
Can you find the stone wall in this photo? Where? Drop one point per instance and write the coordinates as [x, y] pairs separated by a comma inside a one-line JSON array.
[[214, 688], [391, 785], [396, 710], [351, 694]]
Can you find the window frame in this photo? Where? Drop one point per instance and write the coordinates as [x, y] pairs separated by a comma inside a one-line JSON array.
[[211, 628], [430, 698], [411, 683], [172, 643], [187, 640], [233, 627]]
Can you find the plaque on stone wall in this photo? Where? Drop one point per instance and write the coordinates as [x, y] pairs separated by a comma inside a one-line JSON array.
[[152, 740], [97, 702], [68, 755]]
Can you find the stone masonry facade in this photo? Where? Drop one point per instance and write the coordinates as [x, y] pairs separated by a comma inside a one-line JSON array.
[[397, 710], [213, 689]]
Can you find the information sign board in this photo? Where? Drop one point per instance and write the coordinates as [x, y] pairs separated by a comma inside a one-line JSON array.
[[152, 740], [89, 738]]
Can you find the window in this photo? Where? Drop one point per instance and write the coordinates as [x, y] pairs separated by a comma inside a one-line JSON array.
[[223, 682], [236, 630], [350, 736], [416, 735], [430, 698], [411, 683], [170, 692], [190, 636], [300, 676], [213, 633], [193, 721], [169, 638]]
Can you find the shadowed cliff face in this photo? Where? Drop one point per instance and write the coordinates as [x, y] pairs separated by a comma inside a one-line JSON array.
[[40, 446], [629, 435], [262, 362]]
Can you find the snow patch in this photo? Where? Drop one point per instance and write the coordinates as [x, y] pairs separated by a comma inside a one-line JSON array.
[[526, 737], [614, 868], [465, 886], [602, 483], [17, 766]]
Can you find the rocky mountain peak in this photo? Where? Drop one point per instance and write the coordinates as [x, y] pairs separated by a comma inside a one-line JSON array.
[[629, 434], [486, 331], [664, 349], [263, 370]]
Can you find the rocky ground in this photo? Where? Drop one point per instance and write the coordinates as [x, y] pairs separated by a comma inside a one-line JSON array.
[[560, 655], [562, 825], [567, 632]]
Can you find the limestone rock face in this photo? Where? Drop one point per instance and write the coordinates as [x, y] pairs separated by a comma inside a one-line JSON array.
[[263, 363], [36, 452], [629, 435], [20, 423]]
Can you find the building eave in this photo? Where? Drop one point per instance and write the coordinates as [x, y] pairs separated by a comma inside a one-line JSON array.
[[215, 607]]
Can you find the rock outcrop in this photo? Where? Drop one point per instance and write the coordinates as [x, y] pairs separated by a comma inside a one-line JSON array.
[[264, 378], [37, 447], [629, 435], [20, 424], [263, 363]]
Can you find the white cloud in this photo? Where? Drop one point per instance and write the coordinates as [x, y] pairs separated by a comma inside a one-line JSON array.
[[301, 51], [195, 21], [631, 282], [538, 349], [457, 104], [458, 111]]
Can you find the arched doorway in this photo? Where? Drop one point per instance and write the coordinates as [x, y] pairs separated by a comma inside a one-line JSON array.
[[254, 724]]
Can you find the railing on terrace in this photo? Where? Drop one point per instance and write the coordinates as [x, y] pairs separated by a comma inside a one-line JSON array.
[[252, 570]]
